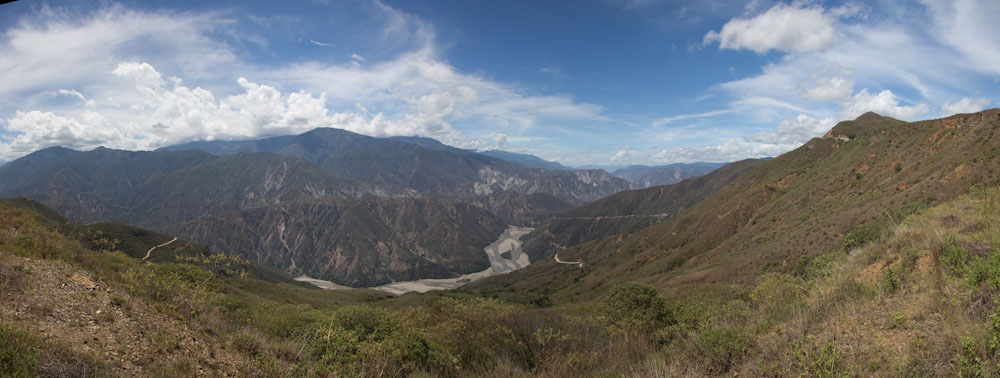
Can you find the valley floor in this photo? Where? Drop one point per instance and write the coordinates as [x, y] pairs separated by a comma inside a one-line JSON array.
[[509, 241]]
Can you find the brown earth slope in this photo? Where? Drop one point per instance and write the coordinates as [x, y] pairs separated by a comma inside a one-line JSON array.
[[799, 204]]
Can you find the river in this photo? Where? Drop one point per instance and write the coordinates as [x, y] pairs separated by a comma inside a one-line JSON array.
[[509, 241]]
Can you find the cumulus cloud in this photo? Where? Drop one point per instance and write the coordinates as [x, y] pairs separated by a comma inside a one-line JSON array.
[[791, 28], [827, 84], [37, 130], [729, 150], [790, 134], [884, 103], [623, 155], [413, 93], [500, 141], [965, 105], [796, 130]]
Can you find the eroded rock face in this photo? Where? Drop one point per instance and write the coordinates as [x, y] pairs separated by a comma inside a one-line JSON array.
[[356, 243]]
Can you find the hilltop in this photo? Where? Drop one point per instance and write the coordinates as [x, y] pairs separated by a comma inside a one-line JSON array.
[[788, 209]]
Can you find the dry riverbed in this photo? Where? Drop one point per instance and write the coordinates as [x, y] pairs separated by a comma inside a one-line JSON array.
[[509, 241]]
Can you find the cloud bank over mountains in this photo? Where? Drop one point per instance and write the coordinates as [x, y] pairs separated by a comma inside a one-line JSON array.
[[131, 78], [86, 92]]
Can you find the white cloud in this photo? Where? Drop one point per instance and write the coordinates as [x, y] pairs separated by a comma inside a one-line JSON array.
[[970, 27], [783, 27], [623, 155], [358, 58], [681, 117], [796, 130], [415, 93], [828, 89], [965, 105], [71, 93], [729, 150], [884, 103], [827, 85], [500, 141], [39, 130], [318, 43]]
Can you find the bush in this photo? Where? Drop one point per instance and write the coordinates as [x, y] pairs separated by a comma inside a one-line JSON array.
[[635, 305], [17, 353], [864, 234], [363, 339], [722, 348], [776, 294]]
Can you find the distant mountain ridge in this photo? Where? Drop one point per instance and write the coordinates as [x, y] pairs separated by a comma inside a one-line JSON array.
[[643, 176], [421, 166], [526, 160]]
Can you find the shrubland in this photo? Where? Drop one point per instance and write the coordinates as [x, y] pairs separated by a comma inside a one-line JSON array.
[[913, 294]]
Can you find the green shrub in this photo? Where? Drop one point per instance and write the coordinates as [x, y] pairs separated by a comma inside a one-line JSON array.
[[889, 281], [17, 353], [814, 267], [776, 294], [864, 234], [985, 271], [722, 348], [824, 361], [363, 339], [635, 305], [955, 257]]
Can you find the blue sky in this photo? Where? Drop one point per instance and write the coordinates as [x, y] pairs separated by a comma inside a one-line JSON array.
[[589, 82]]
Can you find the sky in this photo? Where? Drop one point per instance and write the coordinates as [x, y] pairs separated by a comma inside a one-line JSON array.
[[583, 83]]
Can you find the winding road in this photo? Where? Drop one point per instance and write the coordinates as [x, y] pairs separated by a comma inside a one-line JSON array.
[[150, 251], [579, 263], [661, 215]]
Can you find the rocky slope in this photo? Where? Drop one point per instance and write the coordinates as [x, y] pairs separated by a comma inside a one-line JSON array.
[[245, 201], [155, 189], [421, 166], [356, 243]]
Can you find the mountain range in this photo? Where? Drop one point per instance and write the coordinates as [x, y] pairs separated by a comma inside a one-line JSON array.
[[329, 203], [644, 176], [868, 251]]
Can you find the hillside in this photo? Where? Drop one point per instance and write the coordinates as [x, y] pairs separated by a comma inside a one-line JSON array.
[[144, 244], [421, 166], [355, 243], [796, 206], [336, 233], [66, 310], [155, 189], [643, 176], [908, 289], [628, 211]]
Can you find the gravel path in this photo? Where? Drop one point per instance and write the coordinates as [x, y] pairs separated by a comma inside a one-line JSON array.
[[150, 251]]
